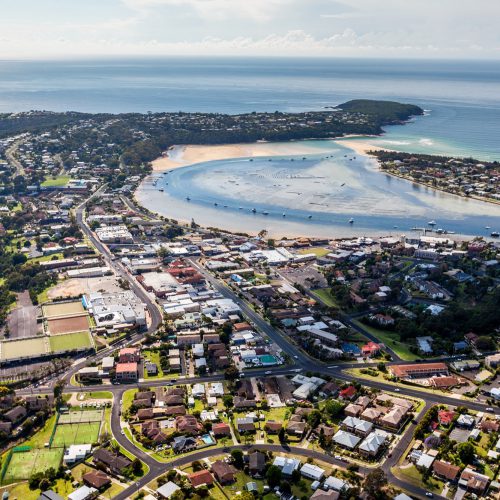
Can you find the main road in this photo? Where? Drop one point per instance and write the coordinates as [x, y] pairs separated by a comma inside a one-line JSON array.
[[299, 361]]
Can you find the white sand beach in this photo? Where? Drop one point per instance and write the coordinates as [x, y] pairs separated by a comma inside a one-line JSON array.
[[180, 156], [361, 147]]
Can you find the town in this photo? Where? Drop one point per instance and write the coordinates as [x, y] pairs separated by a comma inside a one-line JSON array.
[[145, 358], [464, 177]]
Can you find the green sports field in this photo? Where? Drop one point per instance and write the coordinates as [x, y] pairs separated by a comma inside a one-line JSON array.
[[83, 416], [68, 434], [70, 341], [24, 464]]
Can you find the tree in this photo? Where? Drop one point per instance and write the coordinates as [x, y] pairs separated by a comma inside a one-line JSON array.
[[314, 418], [231, 373], [374, 482], [227, 399], [333, 407], [466, 452], [273, 476], [237, 456]]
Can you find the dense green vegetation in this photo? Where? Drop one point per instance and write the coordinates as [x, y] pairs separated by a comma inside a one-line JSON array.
[[382, 111]]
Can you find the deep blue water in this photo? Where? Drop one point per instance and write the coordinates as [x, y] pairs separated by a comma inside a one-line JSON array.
[[463, 97]]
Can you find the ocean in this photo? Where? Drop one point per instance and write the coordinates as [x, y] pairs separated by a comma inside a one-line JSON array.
[[461, 97]]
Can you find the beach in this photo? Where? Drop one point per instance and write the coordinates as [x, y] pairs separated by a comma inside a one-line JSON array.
[[308, 188], [361, 146], [181, 156]]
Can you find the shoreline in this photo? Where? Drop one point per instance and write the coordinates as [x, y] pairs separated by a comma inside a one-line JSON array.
[[182, 156], [186, 155]]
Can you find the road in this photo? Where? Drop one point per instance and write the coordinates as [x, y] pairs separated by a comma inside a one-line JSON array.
[[10, 155], [299, 361]]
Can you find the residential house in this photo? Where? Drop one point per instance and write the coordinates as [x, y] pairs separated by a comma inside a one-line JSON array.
[[96, 479], [256, 463], [224, 472], [115, 462], [201, 478], [445, 470]]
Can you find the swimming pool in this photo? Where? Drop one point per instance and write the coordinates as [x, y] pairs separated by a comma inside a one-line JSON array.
[[207, 439], [268, 359]]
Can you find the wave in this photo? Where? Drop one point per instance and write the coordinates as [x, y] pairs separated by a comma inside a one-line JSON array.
[[396, 143], [425, 142]]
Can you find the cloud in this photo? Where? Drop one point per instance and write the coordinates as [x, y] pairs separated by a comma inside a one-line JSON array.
[[255, 10]]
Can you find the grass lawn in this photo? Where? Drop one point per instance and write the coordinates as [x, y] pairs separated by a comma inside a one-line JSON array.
[[239, 485], [413, 476], [112, 491], [127, 398], [391, 340], [22, 490], [24, 464], [325, 296], [69, 341], [98, 395], [154, 357], [60, 180], [43, 296], [39, 439], [47, 258], [318, 251], [67, 434]]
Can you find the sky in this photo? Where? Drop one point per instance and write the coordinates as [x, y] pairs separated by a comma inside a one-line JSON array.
[[45, 29]]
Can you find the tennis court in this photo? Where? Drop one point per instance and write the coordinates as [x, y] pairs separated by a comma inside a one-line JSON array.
[[81, 433], [58, 309], [84, 416], [24, 464]]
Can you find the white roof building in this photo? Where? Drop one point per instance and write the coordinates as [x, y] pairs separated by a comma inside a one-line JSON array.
[[287, 465], [372, 443], [312, 471], [346, 439], [76, 452], [425, 461], [335, 483], [167, 490], [198, 390], [82, 493]]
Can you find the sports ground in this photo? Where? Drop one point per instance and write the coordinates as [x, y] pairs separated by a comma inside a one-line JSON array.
[[70, 341], [56, 310], [23, 464], [68, 434], [66, 325]]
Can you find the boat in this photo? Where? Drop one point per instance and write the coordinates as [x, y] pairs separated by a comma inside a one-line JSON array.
[[415, 228], [432, 223], [240, 208], [495, 234], [351, 221], [265, 212], [487, 227], [439, 231], [395, 227], [225, 206]]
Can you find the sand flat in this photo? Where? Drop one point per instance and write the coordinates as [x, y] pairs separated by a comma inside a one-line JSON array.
[[180, 156]]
